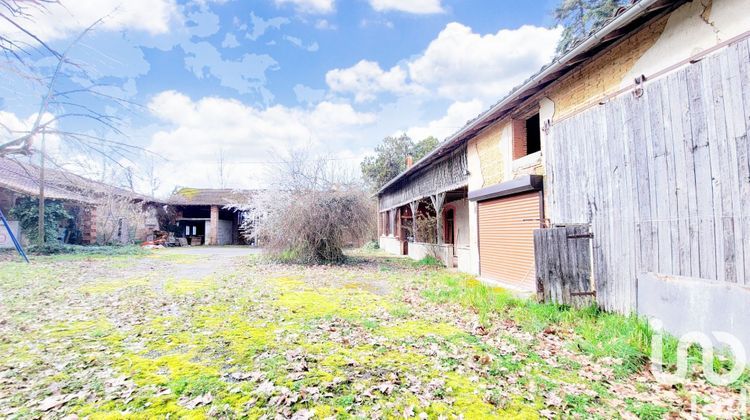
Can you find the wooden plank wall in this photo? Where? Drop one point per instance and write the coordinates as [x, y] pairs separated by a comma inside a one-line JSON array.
[[663, 179], [447, 174]]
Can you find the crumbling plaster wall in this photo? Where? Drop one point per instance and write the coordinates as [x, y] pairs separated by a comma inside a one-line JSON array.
[[693, 27]]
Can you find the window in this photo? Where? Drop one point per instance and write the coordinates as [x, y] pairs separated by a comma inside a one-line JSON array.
[[533, 136], [527, 137]]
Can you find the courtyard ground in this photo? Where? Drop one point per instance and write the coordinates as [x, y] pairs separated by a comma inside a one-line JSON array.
[[219, 332]]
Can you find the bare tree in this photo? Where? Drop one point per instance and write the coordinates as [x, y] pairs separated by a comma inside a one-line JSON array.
[[311, 214], [66, 88], [220, 168], [153, 181], [117, 218]]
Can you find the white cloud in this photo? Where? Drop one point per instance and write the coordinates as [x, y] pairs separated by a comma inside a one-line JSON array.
[[63, 19], [462, 64], [260, 25], [421, 7], [459, 65], [366, 79], [324, 24], [245, 75], [309, 6], [230, 41], [308, 95], [245, 133], [299, 44], [455, 117]]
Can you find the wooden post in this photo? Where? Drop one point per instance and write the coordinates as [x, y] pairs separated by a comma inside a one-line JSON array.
[[398, 223], [437, 202], [214, 239], [414, 205]]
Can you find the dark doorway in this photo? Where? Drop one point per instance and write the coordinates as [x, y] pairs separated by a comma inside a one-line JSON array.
[[193, 230], [449, 224]]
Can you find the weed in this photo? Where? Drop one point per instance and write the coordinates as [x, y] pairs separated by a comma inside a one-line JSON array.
[[429, 262], [646, 411]]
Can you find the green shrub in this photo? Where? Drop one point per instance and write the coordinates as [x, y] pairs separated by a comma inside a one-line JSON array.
[[429, 261], [26, 212]]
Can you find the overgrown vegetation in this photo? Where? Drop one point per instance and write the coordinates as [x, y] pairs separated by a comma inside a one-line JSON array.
[[117, 218], [599, 334], [310, 215], [385, 338], [26, 211]]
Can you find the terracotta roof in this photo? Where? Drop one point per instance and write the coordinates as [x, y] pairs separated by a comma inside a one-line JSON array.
[[207, 196], [624, 21], [23, 178]]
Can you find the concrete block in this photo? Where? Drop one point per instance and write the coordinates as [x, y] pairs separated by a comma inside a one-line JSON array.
[[686, 304]]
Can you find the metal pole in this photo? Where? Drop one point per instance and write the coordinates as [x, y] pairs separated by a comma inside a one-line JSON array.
[[40, 224]]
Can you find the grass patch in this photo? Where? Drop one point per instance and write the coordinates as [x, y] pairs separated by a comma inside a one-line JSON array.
[[428, 262], [597, 333], [86, 250]]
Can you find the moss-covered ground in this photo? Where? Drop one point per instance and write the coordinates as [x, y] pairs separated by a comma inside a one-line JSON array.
[[173, 335]]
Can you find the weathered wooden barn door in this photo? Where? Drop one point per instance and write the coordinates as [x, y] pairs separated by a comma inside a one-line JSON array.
[[563, 265], [661, 174]]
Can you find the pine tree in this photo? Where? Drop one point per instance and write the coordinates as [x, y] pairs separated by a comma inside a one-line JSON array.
[[580, 17]]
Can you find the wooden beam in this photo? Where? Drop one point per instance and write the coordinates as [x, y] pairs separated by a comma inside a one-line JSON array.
[[437, 202]]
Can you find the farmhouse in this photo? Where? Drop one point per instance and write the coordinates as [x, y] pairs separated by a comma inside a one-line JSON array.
[[625, 160], [87, 201], [198, 215]]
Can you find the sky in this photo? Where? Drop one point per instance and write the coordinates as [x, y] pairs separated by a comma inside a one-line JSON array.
[[247, 81]]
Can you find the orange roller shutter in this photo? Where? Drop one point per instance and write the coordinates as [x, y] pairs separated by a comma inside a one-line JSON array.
[[506, 239]]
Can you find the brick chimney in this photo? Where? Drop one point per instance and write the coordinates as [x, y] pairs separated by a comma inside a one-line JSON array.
[[409, 161]]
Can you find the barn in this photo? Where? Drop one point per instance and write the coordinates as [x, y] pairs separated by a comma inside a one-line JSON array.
[[619, 173]]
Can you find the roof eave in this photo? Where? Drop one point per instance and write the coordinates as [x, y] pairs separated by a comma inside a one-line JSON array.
[[627, 17]]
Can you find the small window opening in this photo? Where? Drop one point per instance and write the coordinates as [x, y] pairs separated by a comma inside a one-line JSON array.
[[533, 136], [526, 136]]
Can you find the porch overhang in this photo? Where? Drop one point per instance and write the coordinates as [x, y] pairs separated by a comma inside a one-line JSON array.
[[449, 173], [521, 184]]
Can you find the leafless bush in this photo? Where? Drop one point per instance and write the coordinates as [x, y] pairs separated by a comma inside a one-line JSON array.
[[427, 226], [311, 213], [117, 219]]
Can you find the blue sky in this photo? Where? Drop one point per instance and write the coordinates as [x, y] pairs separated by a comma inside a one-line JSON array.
[[254, 79]]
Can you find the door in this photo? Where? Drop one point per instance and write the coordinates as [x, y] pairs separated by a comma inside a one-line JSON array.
[[506, 239], [448, 226]]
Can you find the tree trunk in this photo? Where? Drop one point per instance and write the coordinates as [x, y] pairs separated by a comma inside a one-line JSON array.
[[40, 225]]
